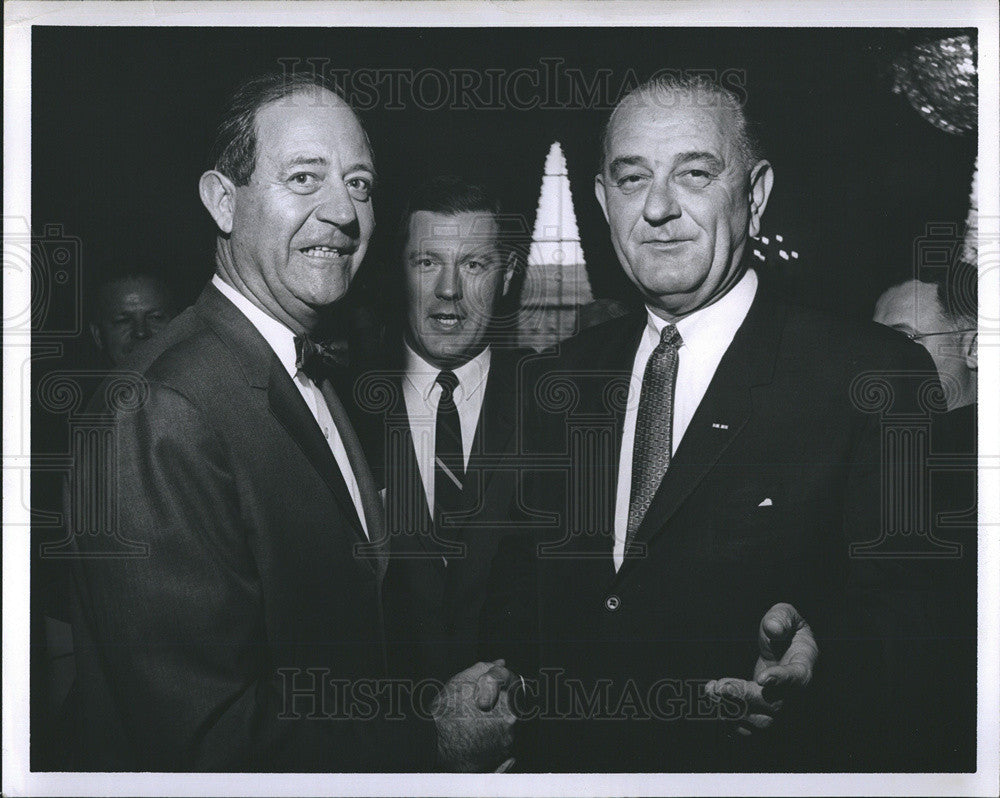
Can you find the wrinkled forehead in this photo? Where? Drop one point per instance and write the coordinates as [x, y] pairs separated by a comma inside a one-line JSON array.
[[466, 231], [317, 121], [658, 125]]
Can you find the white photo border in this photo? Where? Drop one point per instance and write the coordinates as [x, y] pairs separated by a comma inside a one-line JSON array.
[[20, 17]]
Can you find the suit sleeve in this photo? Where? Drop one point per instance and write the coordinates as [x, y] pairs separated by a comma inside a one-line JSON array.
[[510, 612], [172, 642]]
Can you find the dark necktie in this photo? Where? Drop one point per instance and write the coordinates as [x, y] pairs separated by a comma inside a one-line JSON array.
[[449, 460], [653, 428]]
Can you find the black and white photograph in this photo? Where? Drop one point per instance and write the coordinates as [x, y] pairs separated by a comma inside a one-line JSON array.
[[512, 398]]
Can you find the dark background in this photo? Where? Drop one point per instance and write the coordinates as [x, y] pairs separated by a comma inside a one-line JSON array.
[[123, 117], [122, 120]]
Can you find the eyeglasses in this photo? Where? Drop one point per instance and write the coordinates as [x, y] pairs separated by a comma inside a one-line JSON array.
[[918, 336]]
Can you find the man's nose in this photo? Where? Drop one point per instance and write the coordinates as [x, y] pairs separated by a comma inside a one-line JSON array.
[[140, 328], [337, 206], [449, 283], [661, 203]]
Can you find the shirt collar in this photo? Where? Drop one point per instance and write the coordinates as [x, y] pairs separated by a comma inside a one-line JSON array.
[[712, 327], [280, 338], [471, 374]]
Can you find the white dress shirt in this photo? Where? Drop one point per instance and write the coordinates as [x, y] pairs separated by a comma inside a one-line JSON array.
[[422, 393], [282, 341], [706, 335]]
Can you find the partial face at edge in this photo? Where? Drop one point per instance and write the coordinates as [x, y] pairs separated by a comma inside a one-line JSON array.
[[913, 309], [131, 310]]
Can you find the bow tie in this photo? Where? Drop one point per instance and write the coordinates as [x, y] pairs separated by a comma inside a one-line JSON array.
[[316, 359]]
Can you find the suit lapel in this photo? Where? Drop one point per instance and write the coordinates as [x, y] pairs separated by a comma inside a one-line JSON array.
[[495, 427], [602, 377], [623, 359], [408, 517], [720, 417], [291, 411], [264, 371]]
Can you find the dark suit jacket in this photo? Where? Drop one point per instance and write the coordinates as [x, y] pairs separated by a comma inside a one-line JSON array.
[[443, 618], [777, 474], [218, 639]]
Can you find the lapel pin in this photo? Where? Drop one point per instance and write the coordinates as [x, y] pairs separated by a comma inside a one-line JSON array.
[[717, 425]]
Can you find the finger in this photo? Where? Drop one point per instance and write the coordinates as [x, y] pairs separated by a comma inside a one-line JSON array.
[[795, 670], [730, 692], [489, 686], [504, 711], [759, 721], [749, 695], [473, 672], [780, 681], [777, 628], [487, 693], [803, 651], [756, 702], [754, 724], [506, 766]]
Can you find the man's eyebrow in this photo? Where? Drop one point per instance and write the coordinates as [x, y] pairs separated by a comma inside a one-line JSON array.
[[424, 252], [699, 155], [319, 160], [626, 160], [362, 166], [488, 248], [306, 160]]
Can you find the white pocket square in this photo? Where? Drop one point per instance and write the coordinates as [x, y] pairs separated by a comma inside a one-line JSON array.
[[766, 503]]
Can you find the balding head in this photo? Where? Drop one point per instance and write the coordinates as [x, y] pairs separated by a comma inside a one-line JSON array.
[[673, 91]]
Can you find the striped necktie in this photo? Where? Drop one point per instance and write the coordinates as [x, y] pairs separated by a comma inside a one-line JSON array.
[[449, 459]]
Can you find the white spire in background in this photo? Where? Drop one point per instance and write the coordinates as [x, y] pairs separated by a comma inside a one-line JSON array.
[[556, 283]]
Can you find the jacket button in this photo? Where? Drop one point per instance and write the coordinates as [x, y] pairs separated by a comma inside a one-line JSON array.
[[612, 603]]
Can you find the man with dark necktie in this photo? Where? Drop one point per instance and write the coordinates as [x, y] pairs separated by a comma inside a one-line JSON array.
[[445, 439], [717, 459]]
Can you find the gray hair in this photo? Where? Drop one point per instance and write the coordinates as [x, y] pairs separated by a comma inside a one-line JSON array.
[[234, 152], [672, 90]]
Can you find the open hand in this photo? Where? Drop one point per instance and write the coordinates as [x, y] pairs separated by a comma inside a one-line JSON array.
[[788, 655]]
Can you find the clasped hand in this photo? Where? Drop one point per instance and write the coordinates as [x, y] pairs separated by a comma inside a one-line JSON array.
[[475, 724]]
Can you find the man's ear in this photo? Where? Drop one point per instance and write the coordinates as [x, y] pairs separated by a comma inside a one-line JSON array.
[[970, 343], [601, 193], [761, 180], [95, 333], [508, 271], [218, 196]]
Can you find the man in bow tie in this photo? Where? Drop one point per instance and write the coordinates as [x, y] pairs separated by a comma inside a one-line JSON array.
[[242, 627], [707, 458]]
